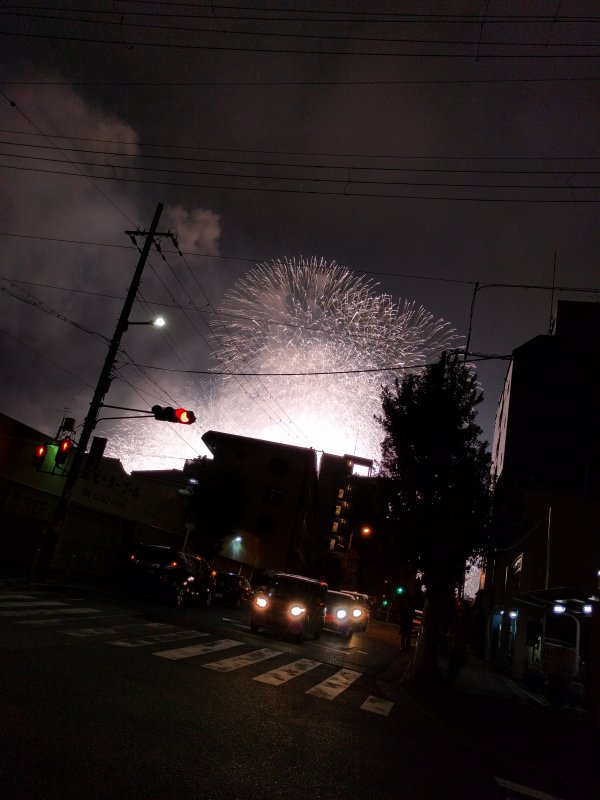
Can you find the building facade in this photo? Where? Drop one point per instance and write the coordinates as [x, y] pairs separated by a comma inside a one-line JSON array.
[[275, 524], [544, 574], [109, 509]]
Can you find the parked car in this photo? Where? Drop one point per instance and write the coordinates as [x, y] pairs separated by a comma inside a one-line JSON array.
[[343, 614], [170, 575], [361, 623], [291, 604], [232, 589]]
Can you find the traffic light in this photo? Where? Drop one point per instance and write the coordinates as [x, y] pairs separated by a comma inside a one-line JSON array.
[[39, 455], [184, 416], [64, 449], [399, 590], [168, 414], [385, 603]]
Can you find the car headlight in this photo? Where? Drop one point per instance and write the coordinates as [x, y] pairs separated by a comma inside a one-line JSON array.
[[341, 613], [296, 611], [261, 602], [356, 613]]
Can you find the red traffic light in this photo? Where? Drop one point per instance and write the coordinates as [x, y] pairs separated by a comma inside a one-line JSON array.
[[64, 448], [184, 416], [168, 414], [39, 455]]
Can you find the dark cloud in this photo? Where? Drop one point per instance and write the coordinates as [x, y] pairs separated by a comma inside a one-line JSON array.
[[463, 143]]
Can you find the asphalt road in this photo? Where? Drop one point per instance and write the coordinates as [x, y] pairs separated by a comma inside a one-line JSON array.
[[112, 697]]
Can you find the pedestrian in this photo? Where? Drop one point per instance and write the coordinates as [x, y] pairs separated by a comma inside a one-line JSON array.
[[406, 626]]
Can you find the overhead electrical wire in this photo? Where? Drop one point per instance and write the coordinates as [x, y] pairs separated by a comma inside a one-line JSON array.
[[308, 154], [286, 165], [122, 23], [320, 13], [286, 51], [348, 180], [334, 193]]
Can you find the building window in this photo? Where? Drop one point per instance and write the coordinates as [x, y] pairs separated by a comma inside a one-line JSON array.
[[338, 510], [334, 527], [340, 494]]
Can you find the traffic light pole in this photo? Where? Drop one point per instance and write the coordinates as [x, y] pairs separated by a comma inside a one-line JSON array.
[[45, 553]]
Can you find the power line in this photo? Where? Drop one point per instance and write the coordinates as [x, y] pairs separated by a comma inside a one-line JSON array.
[[346, 181], [318, 15], [274, 83], [286, 165], [285, 51], [396, 368], [308, 154], [121, 22], [346, 193]]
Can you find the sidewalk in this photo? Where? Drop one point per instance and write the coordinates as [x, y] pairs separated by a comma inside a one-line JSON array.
[[495, 714]]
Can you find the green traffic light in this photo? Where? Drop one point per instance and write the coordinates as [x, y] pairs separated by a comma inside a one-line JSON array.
[[399, 589], [385, 602]]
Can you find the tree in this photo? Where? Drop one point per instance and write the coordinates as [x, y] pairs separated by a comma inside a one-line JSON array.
[[436, 471]]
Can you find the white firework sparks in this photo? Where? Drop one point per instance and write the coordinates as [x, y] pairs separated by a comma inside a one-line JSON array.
[[295, 318]]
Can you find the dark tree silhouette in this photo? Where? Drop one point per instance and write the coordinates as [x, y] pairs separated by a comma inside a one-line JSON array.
[[436, 472]]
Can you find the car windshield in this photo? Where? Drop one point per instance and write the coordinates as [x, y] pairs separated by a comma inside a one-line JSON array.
[[338, 600], [225, 579], [290, 589]]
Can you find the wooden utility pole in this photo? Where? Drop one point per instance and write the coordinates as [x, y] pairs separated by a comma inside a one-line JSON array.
[[45, 553]]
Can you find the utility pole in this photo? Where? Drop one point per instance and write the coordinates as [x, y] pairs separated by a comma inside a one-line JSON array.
[[43, 558]]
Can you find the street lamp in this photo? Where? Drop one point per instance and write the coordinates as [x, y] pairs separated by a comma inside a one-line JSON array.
[[158, 322]]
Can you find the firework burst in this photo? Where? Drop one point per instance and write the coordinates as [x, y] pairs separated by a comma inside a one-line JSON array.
[[309, 316]]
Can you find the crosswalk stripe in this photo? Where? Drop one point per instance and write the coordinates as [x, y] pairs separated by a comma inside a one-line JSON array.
[[55, 620], [377, 705], [283, 674], [237, 662], [197, 649], [111, 630], [30, 604], [33, 612], [17, 596], [335, 685], [175, 636]]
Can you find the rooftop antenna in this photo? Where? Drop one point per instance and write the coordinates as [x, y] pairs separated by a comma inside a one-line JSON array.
[[552, 322]]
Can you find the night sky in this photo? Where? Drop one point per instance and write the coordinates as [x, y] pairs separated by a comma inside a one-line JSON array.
[[426, 146]]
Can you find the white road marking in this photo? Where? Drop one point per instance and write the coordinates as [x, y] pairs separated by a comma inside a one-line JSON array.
[[55, 620], [526, 791], [31, 604], [335, 685], [377, 705], [237, 662], [111, 630], [283, 674], [33, 612], [17, 596], [197, 649], [175, 636]]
